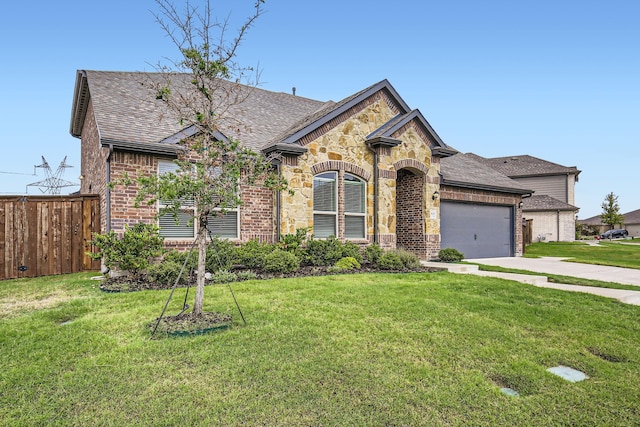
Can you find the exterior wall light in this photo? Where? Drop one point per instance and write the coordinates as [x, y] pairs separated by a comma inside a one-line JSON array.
[[435, 195]]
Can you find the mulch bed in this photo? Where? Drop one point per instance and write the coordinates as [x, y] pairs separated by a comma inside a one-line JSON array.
[[140, 283]]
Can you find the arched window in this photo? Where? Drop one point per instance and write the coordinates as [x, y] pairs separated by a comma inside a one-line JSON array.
[[328, 213], [355, 191]]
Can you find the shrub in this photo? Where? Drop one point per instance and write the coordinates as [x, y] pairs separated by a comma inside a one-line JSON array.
[[133, 251], [280, 261], [221, 254], [323, 252], [246, 275], [450, 255], [223, 276], [373, 252], [409, 260], [350, 249], [252, 253], [294, 242], [345, 264], [390, 261], [167, 272]]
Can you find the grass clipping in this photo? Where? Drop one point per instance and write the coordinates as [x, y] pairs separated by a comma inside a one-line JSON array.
[[190, 324]]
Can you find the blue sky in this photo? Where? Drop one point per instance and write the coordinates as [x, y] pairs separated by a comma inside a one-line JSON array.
[[559, 80]]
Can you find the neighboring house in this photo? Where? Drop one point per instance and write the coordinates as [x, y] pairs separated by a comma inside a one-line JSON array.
[[631, 223], [365, 169], [552, 205]]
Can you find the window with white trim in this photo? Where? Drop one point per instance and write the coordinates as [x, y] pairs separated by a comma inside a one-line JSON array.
[[355, 191], [225, 225], [325, 205]]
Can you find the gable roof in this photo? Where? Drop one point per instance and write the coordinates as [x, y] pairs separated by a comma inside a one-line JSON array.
[[127, 111], [546, 203], [525, 166], [463, 170]]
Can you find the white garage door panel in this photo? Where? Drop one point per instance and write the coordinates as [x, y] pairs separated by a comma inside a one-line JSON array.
[[478, 231]]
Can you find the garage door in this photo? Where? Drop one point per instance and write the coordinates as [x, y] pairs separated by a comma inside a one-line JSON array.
[[478, 231]]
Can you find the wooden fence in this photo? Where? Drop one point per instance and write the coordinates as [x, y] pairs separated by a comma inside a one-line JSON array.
[[45, 235]]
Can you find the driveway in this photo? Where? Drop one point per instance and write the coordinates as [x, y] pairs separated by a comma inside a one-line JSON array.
[[552, 265]]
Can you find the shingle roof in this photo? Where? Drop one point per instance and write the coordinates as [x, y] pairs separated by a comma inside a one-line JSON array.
[[525, 165], [464, 170], [545, 203], [126, 109], [632, 217]]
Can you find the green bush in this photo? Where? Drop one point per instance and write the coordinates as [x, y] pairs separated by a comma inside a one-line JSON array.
[[345, 264], [350, 249], [166, 272], [221, 254], [280, 261], [390, 260], [223, 276], [133, 251], [252, 253], [373, 252], [450, 255], [246, 275], [294, 243], [323, 252], [409, 260]]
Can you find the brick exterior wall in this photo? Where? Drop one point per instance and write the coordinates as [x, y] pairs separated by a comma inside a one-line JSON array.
[[492, 198], [552, 226]]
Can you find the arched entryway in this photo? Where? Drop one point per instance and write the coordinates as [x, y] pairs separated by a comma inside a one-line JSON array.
[[410, 226]]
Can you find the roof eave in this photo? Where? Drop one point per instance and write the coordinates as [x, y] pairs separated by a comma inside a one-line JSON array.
[[79, 105], [485, 187], [142, 147]]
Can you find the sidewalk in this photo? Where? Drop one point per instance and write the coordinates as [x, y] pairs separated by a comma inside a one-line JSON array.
[[554, 266]]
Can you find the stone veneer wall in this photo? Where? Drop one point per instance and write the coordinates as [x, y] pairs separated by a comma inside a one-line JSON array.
[[493, 198], [341, 147]]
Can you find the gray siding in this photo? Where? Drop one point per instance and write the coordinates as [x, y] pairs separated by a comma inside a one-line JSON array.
[[554, 186]]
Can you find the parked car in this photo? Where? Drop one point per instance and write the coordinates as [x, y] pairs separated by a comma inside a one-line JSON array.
[[614, 234]]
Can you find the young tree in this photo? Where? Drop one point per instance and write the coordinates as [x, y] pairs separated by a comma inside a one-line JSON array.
[[213, 165], [611, 211]]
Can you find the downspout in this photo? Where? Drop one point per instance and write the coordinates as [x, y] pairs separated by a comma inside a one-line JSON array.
[[375, 193], [108, 190], [558, 223], [278, 206]]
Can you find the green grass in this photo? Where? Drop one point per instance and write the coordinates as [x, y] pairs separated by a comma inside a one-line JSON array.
[[350, 350], [614, 254]]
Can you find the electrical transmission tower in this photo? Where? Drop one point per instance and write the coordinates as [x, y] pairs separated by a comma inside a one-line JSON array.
[[53, 181]]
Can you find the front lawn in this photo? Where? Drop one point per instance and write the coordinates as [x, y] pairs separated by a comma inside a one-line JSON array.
[[348, 350], [605, 253]]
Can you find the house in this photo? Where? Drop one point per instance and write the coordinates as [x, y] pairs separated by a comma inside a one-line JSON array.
[[364, 169], [631, 223], [552, 205]]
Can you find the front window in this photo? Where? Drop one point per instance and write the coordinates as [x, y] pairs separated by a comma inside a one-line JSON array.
[[325, 202], [354, 207], [184, 227]]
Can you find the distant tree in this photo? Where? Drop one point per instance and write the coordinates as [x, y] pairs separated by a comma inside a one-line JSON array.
[[212, 167], [611, 211]]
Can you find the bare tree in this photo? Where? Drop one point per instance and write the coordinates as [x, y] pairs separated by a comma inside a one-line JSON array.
[[200, 89]]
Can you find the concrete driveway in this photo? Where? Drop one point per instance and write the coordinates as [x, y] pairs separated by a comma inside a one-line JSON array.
[[557, 266], [552, 265]]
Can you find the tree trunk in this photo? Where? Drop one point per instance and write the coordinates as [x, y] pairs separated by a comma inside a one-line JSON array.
[[202, 261]]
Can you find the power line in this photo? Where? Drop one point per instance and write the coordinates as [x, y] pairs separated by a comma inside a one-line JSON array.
[[18, 173]]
